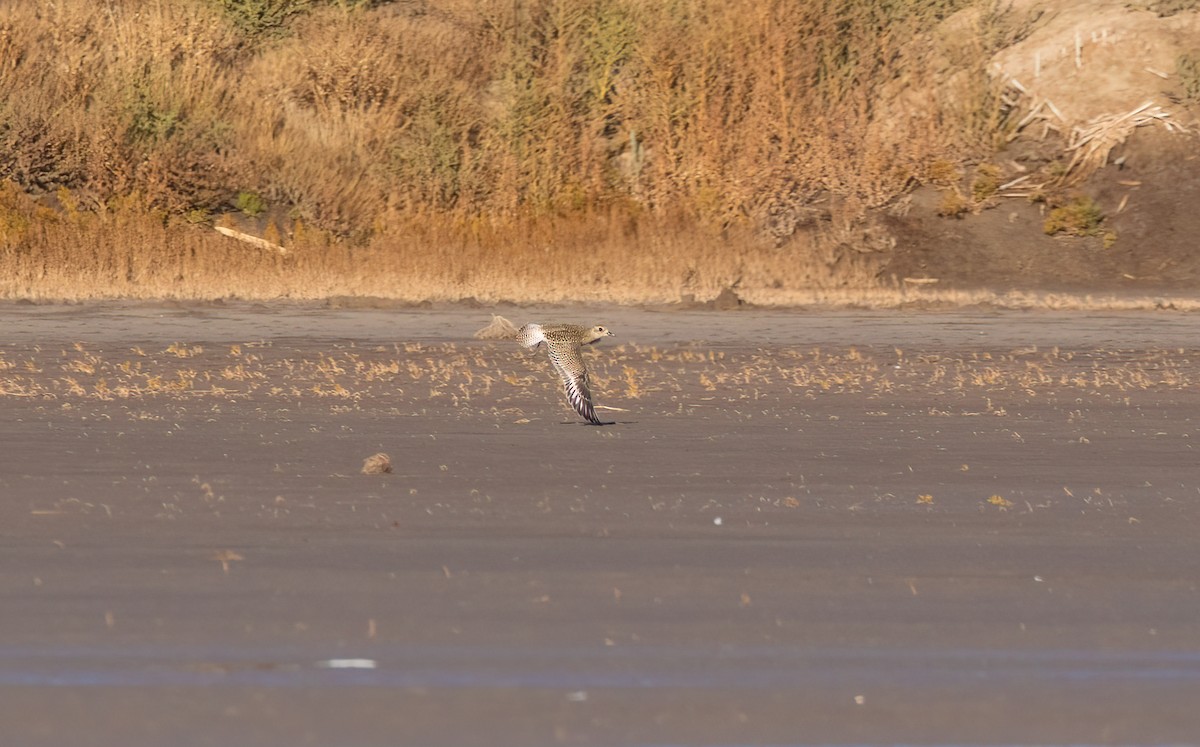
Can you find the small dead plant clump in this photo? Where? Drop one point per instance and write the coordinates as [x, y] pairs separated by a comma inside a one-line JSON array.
[[943, 172], [377, 464], [953, 204], [498, 329], [1079, 217], [1187, 67], [986, 183]]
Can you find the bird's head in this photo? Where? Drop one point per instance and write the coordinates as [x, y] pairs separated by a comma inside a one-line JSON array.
[[598, 332]]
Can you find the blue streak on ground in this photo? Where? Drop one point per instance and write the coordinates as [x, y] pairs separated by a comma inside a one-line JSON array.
[[451, 667]]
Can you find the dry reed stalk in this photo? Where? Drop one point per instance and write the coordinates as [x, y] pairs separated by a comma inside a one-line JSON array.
[[251, 240], [1091, 144]]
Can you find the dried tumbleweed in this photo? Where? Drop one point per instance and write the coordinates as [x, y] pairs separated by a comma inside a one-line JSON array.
[[377, 464]]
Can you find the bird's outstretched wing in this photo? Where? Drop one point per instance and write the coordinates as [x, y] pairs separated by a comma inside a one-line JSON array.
[[567, 358]]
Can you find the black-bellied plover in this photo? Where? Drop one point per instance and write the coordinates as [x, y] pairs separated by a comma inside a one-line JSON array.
[[564, 344]]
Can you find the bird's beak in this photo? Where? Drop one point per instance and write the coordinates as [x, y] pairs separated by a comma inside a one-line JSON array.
[[610, 333]]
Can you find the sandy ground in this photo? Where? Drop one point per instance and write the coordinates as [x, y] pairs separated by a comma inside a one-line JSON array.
[[839, 528]]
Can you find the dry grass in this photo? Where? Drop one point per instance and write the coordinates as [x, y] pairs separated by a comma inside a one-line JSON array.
[[612, 257], [574, 150], [76, 255]]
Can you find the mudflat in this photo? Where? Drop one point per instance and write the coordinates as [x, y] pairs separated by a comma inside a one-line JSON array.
[[802, 527]]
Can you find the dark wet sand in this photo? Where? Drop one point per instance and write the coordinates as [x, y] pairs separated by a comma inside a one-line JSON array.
[[743, 558]]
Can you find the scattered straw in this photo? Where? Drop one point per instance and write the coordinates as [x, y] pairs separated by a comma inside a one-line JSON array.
[[225, 557], [1093, 142]]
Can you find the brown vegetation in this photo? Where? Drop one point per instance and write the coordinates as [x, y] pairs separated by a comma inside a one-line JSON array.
[[542, 151], [662, 149]]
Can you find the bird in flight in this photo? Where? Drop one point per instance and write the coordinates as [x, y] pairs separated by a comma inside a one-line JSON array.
[[564, 344]]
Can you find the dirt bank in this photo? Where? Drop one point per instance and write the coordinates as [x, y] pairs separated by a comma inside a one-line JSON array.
[[1082, 77]]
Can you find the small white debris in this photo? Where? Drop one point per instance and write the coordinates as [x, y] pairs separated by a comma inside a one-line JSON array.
[[347, 664], [1039, 579], [578, 696], [859, 700], [717, 521]]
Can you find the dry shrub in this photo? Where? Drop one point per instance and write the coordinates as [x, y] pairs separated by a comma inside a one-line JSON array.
[[818, 96], [986, 183], [126, 97], [1187, 67], [368, 114], [558, 105], [953, 204], [976, 116], [551, 150], [1079, 217], [943, 172]]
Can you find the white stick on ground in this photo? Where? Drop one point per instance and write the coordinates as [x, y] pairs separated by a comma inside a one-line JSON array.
[[252, 240]]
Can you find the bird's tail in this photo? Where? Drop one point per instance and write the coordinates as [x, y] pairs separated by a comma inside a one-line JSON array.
[[530, 336]]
